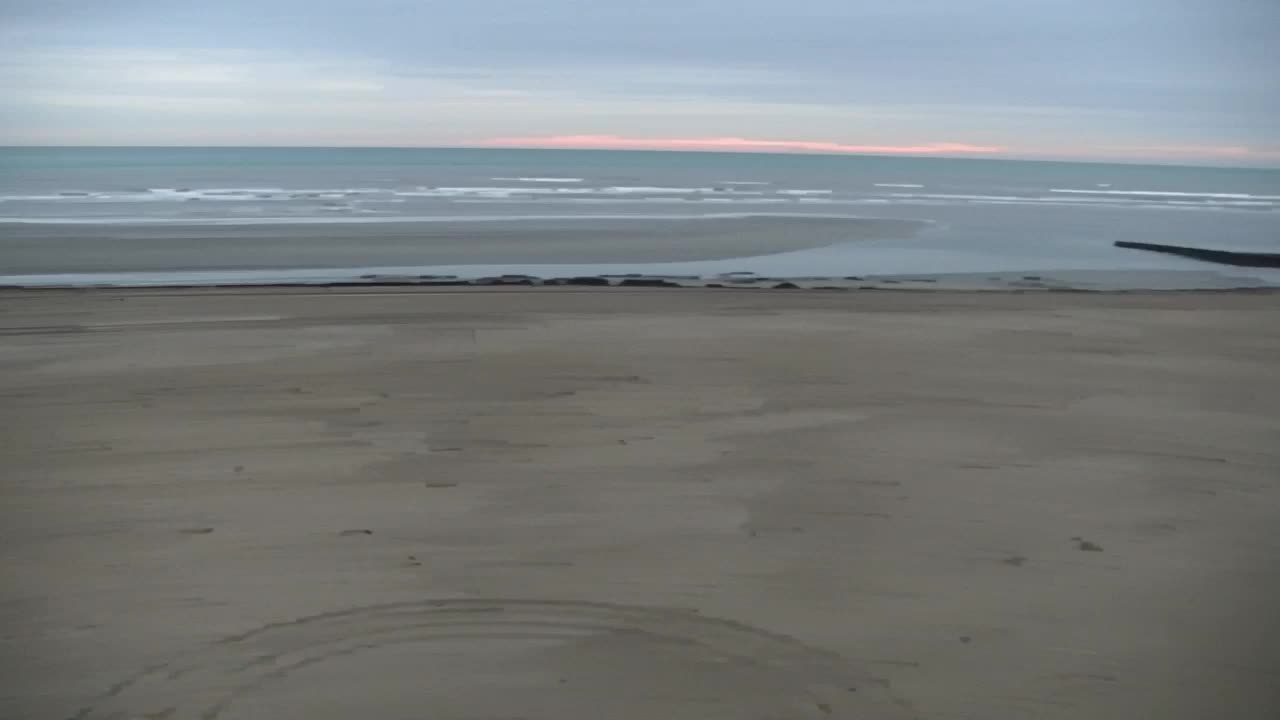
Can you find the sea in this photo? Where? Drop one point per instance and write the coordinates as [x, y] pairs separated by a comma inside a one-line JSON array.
[[181, 216]]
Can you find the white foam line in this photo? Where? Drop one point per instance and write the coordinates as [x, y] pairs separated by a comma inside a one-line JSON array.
[[898, 185], [508, 192], [619, 200], [1166, 193], [931, 196]]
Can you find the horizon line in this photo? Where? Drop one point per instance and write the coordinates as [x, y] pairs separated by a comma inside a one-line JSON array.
[[1266, 165]]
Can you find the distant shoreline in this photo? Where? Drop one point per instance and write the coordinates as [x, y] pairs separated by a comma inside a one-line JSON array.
[[643, 285]]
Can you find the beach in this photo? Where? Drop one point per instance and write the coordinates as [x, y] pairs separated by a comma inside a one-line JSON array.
[[574, 503]]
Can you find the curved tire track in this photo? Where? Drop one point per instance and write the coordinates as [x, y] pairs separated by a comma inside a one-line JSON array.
[[205, 684]]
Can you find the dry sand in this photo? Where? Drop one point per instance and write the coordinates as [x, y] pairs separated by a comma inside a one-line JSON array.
[[583, 505]]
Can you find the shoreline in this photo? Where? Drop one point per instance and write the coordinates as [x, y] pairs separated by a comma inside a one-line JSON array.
[[1119, 281]]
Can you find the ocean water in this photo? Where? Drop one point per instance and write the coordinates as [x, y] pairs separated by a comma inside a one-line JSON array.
[[159, 215]]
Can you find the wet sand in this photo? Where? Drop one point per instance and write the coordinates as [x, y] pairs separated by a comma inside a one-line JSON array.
[[574, 504], [112, 248]]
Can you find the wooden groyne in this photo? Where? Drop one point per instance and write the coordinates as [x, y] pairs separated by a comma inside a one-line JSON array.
[[1224, 257]]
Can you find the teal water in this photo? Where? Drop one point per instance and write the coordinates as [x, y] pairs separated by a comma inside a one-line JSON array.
[[51, 170]]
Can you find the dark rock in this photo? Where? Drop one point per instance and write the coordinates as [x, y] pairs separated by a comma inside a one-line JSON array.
[[347, 533], [399, 281], [648, 282], [196, 531], [1087, 546], [786, 286], [585, 280]]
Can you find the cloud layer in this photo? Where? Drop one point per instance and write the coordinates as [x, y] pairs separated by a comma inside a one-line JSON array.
[[1143, 79]]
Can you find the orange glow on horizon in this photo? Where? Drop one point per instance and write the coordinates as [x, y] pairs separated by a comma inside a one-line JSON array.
[[616, 142]]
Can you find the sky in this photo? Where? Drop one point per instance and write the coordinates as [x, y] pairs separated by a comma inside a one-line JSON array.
[[1192, 81]]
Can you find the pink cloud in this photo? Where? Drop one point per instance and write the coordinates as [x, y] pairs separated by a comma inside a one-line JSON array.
[[617, 142]]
